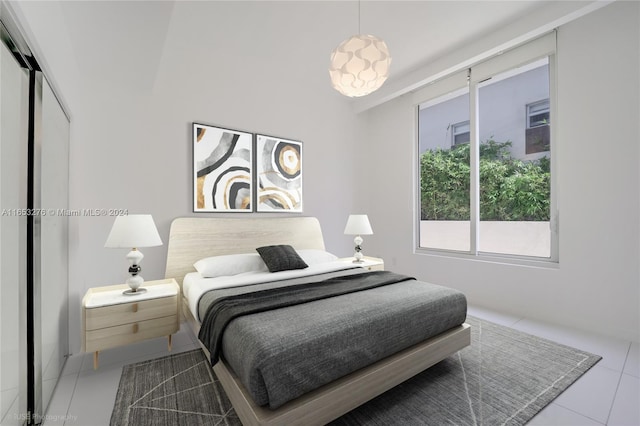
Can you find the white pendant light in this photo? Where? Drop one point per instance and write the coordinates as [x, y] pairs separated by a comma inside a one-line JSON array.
[[360, 64]]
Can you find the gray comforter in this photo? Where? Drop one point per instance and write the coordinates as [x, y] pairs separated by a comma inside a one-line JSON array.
[[284, 353]]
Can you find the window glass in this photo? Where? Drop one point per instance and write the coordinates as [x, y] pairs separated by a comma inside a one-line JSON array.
[[515, 184], [445, 172]]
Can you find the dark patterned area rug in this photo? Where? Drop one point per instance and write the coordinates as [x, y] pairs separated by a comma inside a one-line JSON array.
[[504, 377]]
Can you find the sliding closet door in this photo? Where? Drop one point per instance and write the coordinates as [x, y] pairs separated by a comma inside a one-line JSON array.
[[13, 202], [52, 279], [34, 199]]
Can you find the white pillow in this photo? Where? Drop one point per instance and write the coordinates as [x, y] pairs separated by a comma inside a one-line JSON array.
[[314, 257], [230, 264]]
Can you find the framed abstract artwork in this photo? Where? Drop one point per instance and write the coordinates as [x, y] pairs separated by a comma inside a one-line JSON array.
[[222, 170], [279, 174]]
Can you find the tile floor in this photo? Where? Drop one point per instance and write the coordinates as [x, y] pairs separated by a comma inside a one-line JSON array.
[[608, 394]]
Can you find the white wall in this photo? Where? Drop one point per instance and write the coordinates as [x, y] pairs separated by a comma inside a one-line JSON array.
[[596, 284], [132, 107]]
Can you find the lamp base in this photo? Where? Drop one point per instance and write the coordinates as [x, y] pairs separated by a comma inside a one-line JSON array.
[[135, 280], [358, 256], [131, 292]]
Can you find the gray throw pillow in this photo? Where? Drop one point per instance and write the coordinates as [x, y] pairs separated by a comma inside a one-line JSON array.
[[281, 258]]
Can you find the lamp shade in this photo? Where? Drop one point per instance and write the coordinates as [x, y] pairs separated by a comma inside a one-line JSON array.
[[136, 230], [358, 224], [359, 65]]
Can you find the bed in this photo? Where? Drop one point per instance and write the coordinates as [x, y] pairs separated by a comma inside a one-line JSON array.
[[193, 239]]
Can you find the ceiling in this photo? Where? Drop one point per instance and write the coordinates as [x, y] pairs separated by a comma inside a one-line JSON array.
[[418, 32], [137, 45], [135, 32]]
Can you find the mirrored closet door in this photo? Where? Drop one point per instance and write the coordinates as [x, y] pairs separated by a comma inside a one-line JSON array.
[[14, 87], [51, 245], [34, 195]]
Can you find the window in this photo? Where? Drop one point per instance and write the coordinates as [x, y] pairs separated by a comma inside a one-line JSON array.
[[537, 134], [460, 133], [538, 114], [489, 191]]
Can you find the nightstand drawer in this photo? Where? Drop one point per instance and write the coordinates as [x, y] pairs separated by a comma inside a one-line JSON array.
[[125, 313], [104, 338], [375, 267]]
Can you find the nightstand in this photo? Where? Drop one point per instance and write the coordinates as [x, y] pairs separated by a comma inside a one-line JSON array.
[[370, 263], [110, 318]]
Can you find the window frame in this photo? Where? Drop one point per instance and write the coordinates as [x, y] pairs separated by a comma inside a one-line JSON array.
[[528, 53]]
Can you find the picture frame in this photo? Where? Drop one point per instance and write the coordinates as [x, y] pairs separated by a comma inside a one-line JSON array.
[[279, 170], [222, 170]]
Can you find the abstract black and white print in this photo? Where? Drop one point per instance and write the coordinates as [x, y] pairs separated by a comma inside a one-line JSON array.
[[279, 172], [222, 164]]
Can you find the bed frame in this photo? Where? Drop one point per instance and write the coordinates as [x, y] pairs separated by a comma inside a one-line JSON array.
[[192, 239]]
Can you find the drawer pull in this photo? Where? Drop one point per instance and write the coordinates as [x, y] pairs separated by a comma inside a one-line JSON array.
[[135, 307], [135, 328]]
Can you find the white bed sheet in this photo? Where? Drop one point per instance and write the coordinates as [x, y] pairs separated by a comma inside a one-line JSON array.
[[195, 285]]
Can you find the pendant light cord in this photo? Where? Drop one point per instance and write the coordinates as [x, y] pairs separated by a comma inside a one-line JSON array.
[[359, 11]]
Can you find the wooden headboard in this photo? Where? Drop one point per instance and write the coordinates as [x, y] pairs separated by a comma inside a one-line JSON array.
[[194, 238]]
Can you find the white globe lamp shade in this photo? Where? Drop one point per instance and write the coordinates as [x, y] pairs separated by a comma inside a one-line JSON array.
[[359, 65]]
